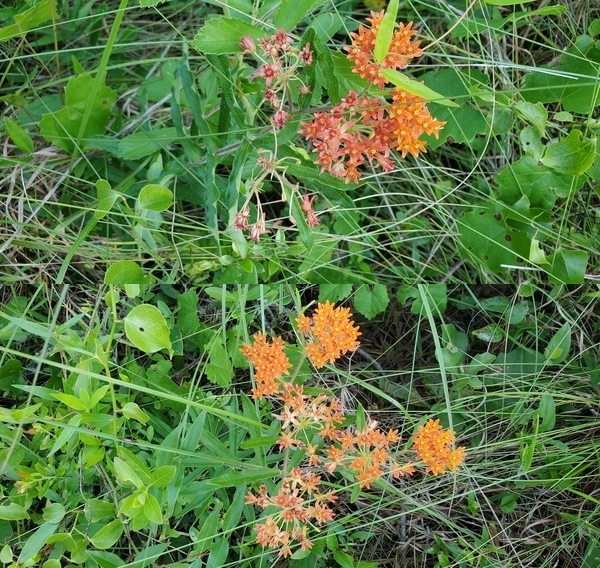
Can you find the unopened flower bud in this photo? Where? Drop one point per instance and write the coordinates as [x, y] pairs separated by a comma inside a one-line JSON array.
[[247, 44]]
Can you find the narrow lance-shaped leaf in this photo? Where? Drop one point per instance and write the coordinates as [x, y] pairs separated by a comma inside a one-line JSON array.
[[385, 32], [416, 88]]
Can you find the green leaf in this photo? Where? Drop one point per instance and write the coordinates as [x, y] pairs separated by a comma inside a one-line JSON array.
[[19, 135], [385, 32], [29, 19], [147, 329], [125, 472], [506, 2], [219, 369], [53, 513], [70, 400], [13, 512], [62, 127], [547, 412], [163, 475], [334, 292], [132, 410], [291, 12], [558, 347], [416, 88], [218, 553], [343, 559], [536, 114], [573, 155], [155, 197], [437, 295], [223, 35], [152, 509], [144, 143], [106, 198], [491, 333], [108, 535], [371, 300], [573, 82], [324, 61], [485, 234], [36, 541], [568, 266], [124, 272]]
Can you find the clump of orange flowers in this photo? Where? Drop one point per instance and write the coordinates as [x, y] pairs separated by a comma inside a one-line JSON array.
[[402, 50], [316, 426], [366, 128], [433, 445]]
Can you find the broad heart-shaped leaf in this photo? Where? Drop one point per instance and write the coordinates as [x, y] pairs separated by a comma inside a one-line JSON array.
[[106, 198], [124, 272], [223, 35], [416, 88], [62, 127], [573, 155], [385, 32], [155, 197], [371, 300], [291, 12], [568, 266], [147, 329], [485, 234], [538, 183], [577, 92]]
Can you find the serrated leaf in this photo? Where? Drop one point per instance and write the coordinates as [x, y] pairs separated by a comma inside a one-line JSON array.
[[155, 197], [108, 535], [124, 272], [147, 329], [573, 155], [19, 136], [334, 292], [291, 12], [223, 35], [29, 19], [416, 88], [371, 300]]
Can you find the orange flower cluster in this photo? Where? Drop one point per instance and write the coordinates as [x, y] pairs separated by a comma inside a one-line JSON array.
[[311, 428], [332, 331], [270, 364], [401, 50], [299, 501], [434, 447], [366, 129]]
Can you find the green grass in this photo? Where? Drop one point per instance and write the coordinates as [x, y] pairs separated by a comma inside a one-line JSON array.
[[471, 271]]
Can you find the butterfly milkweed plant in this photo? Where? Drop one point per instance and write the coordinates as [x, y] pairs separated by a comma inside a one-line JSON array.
[[322, 445]]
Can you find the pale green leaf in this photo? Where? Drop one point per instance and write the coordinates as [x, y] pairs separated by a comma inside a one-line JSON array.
[[147, 329], [124, 272], [19, 136], [108, 535], [155, 197], [106, 198], [416, 88], [223, 35]]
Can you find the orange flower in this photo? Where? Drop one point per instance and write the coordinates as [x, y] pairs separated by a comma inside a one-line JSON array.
[[401, 50], [270, 364], [434, 447], [333, 334]]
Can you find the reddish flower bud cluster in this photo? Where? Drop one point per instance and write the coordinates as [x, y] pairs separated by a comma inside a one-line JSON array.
[[280, 62]]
